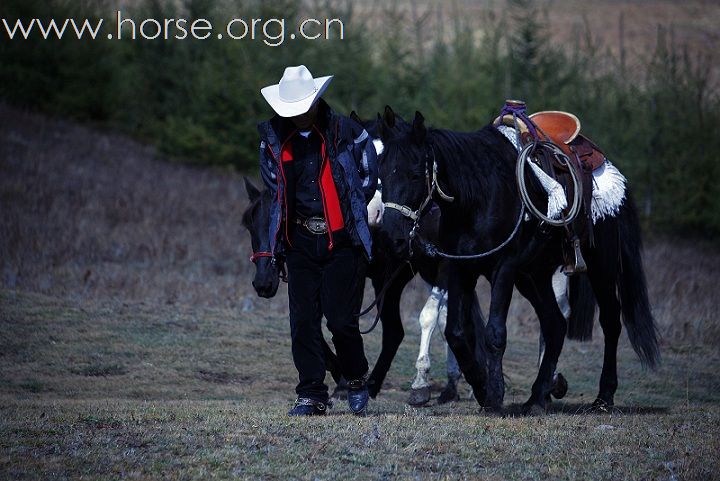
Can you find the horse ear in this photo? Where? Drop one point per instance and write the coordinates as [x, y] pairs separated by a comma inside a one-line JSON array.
[[252, 191], [355, 117], [383, 129], [389, 117], [419, 132]]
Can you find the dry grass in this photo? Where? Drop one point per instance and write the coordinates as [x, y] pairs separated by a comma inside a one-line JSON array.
[[114, 390]]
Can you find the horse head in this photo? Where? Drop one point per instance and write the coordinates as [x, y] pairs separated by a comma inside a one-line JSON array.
[[406, 176], [256, 220], [386, 126]]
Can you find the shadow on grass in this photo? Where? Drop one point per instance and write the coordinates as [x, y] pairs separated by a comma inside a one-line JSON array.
[[470, 407], [515, 409]]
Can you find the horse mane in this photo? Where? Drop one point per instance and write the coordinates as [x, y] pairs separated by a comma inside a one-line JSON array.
[[473, 165]]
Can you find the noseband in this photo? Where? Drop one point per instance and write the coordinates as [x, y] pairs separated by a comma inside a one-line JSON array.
[[432, 187], [273, 261]]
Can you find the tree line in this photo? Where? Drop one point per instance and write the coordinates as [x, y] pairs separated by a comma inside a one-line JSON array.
[[199, 101]]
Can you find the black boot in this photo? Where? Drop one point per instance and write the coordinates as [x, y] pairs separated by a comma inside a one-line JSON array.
[[358, 396], [308, 407]]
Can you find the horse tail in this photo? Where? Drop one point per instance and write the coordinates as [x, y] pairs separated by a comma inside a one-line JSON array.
[[632, 287], [582, 308]]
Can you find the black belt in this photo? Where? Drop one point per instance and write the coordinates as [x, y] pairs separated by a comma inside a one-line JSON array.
[[314, 225]]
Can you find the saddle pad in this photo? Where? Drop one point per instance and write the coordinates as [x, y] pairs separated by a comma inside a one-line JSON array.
[[608, 193]]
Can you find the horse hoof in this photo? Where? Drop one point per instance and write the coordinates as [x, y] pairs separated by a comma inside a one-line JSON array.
[[449, 394], [560, 386], [533, 410], [601, 406], [491, 411], [373, 388], [419, 397]]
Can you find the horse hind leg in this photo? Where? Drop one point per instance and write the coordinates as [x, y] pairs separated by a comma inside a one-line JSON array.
[[428, 319], [539, 292], [602, 278]]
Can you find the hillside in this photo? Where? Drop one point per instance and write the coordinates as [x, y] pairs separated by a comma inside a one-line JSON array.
[[89, 215]]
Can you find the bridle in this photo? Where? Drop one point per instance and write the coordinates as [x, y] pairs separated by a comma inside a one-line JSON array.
[[432, 187], [273, 262]]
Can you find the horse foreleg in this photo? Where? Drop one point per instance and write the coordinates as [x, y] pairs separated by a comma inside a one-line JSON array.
[[392, 332], [496, 333], [428, 318], [460, 332], [449, 393]]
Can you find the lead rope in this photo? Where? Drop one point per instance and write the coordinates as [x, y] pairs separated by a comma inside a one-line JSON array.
[[379, 299], [432, 251]]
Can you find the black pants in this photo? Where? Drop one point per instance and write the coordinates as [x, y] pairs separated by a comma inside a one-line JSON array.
[[329, 283]]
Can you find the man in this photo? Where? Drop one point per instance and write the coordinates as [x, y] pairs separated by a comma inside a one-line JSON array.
[[321, 169]]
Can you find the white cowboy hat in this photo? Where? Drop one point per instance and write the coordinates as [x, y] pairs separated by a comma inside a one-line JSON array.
[[296, 93]]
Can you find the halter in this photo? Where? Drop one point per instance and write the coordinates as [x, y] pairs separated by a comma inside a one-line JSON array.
[[432, 187]]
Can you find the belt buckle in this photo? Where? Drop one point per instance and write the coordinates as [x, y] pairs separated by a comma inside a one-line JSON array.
[[316, 225]]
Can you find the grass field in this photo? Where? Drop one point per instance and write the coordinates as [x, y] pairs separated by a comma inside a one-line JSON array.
[[114, 390]]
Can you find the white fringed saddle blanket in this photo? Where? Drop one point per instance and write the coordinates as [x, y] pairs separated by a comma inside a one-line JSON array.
[[608, 186]]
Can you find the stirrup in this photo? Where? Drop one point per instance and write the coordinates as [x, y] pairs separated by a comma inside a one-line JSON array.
[[580, 265]]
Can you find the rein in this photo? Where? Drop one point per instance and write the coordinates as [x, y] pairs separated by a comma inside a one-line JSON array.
[[415, 216], [256, 255], [378, 299], [432, 251]]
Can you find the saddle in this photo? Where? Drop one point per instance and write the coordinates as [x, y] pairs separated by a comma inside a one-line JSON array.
[[563, 130]]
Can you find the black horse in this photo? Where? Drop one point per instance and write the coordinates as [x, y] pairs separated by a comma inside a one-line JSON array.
[[389, 274], [478, 170]]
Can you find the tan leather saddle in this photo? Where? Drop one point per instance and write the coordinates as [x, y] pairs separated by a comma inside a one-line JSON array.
[[562, 129]]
